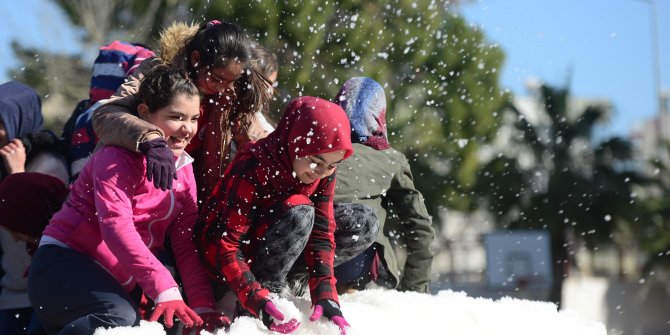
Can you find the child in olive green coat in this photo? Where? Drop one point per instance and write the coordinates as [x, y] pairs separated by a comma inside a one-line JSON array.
[[378, 176]]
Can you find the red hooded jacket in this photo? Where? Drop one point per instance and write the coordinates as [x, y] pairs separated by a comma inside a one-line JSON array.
[[259, 186]]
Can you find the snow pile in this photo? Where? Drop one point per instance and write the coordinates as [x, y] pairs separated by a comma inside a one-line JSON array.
[[388, 312]]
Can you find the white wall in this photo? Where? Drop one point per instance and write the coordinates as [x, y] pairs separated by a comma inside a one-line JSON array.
[[626, 308]]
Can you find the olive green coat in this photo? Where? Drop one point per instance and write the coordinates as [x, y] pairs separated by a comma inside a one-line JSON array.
[[382, 180]]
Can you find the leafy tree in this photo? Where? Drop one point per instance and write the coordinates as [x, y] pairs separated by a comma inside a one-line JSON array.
[[133, 21], [654, 234], [63, 80], [573, 188], [440, 74], [57, 78]]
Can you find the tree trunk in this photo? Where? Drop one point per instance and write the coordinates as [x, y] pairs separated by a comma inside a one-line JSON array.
[[559, 260]]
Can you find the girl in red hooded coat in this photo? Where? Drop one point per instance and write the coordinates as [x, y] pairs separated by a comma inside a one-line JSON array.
[[274, 205]]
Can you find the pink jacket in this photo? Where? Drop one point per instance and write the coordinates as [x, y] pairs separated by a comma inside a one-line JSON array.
[[117, 217]]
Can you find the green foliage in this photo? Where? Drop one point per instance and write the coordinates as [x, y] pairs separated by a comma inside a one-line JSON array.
[[121, 19], [653, 230], [439, 72], [440, 75], [53, 77], [502, 181], [572, 185]]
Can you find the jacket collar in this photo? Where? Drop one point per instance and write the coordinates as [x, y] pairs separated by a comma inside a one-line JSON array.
[[183, 160]]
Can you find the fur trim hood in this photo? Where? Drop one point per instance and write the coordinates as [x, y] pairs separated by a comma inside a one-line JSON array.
[[173, 39]]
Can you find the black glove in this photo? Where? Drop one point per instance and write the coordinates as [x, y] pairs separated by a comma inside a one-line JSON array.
[[331, 311], [160, 163], [270, 315]]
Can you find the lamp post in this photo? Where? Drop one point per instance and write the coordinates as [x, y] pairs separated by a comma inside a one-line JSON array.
[[663, 114], [655, 51]]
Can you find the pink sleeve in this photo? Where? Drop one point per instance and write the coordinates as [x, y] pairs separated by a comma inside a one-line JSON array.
[[116, 174], [197, 285]]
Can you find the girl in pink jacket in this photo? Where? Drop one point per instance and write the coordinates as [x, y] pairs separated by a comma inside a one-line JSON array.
[[98, 251]]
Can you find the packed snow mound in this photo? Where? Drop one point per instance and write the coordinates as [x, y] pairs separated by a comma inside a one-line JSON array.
[[379, 311]]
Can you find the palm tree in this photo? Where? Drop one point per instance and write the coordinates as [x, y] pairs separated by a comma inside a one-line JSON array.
[[572, 189], [654, 236]]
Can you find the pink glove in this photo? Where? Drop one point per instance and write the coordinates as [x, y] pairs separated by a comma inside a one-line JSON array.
[[211, 320], [269, 314], [331, 310], [168, 309]]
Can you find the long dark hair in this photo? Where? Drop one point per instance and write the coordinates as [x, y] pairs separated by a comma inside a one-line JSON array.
[[218, 43]]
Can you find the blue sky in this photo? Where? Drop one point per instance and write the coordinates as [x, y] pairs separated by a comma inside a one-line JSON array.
[[34, 23], [607, 44]]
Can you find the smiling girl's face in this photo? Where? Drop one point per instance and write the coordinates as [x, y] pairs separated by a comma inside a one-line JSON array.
[[311, 168], [178, 120], [220, 79]]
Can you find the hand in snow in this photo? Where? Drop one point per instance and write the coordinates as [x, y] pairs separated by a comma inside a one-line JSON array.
[[270, 314], [330, 310], [212, 320], [169, 309]]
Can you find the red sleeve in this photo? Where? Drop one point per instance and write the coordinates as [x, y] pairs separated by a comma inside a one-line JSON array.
[[320, 250], [234, 206]]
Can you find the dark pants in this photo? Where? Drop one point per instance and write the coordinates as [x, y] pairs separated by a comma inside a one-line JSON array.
[[72, 294], [356, 270], [286, 239], [357, 228], [284, 242], [19, 321]]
